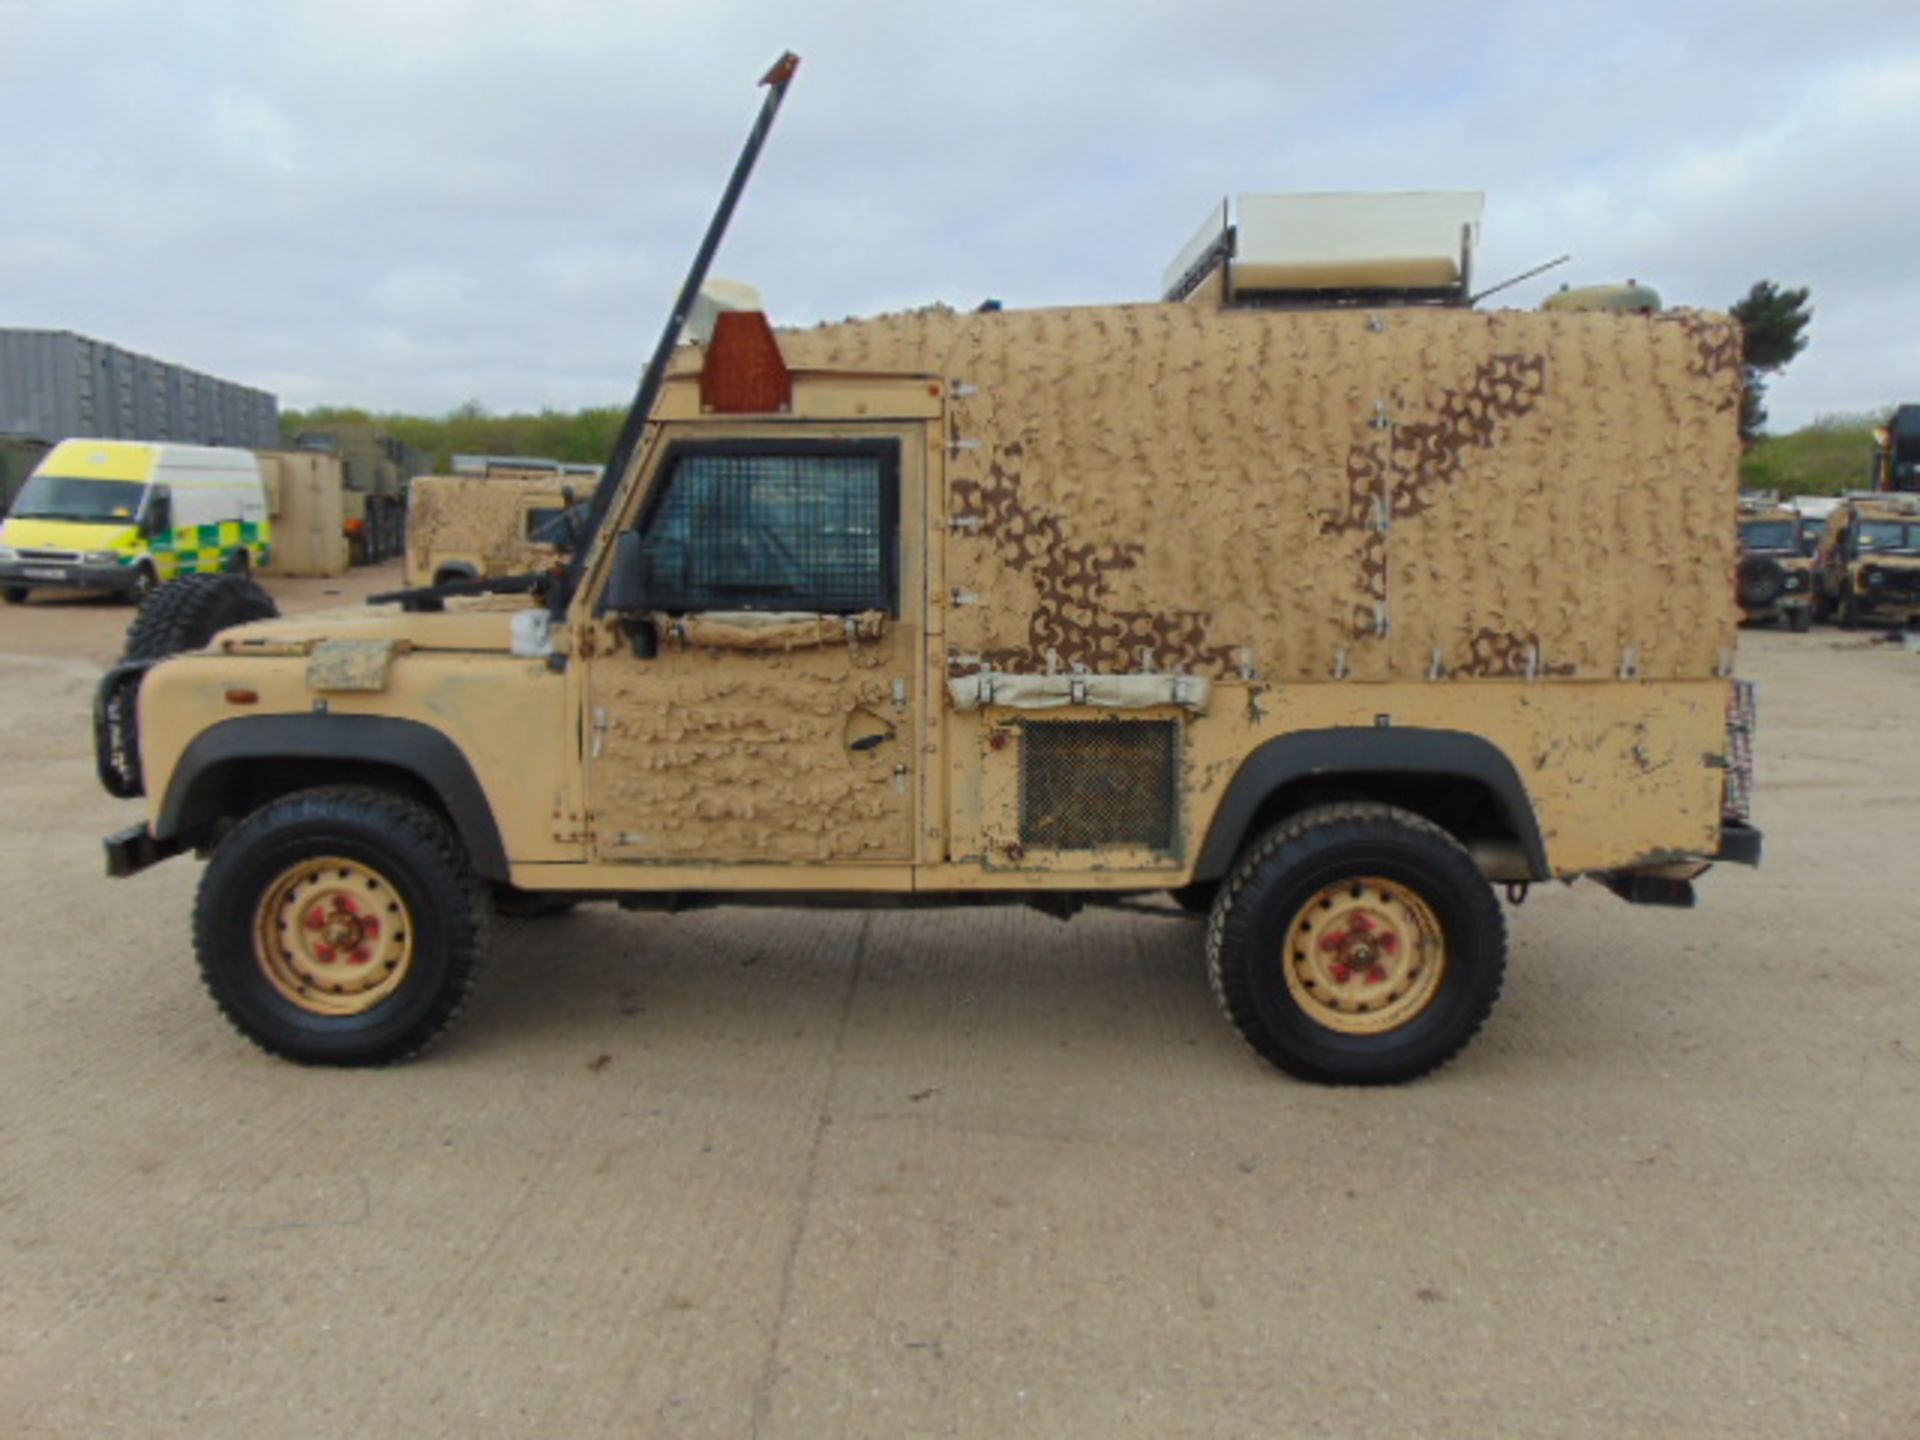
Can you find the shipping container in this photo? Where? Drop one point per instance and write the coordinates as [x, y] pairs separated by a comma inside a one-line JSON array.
[[56, 385]]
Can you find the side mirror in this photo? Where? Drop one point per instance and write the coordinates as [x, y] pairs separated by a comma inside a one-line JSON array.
[[626, 593], [627, 586]]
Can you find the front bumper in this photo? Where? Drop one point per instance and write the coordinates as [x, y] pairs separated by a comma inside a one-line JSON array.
[[1781, 605], [66, 575], [135, 849]]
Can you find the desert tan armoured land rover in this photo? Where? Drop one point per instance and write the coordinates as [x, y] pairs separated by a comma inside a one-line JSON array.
[[467, 527], [1776, 566], [1324, 623], [1868, 567]]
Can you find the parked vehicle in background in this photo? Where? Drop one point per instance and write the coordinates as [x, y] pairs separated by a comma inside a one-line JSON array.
[[376, 469], [464, 527], [1868, 566], [1776, 567], [123, 516], [1896, 452]]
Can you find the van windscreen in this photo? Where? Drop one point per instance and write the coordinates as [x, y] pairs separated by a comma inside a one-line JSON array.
[[64, 497]]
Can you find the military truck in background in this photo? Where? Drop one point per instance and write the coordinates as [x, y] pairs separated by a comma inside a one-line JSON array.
[[467, 527], [376, 469], [1776, 566], [1868, 564], [1896, 452], [1313, 603]]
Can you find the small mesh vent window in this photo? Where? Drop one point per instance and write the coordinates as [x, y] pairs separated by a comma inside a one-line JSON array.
[[1086, 783], [805, 530]]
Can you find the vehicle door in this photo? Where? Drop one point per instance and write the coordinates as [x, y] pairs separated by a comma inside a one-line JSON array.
[[769, 714]]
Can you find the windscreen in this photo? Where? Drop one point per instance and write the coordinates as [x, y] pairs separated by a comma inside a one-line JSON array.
[[62, 497], [1770, 535], [1881, 536]]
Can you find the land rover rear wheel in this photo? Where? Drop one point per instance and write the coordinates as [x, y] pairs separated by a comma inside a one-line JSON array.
[[340, 926], [1357, 944]]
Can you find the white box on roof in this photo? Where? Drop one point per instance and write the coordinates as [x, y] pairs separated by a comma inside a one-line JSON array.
[[1409, 241]]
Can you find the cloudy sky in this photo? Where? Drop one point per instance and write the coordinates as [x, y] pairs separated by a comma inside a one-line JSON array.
[[406, 204]]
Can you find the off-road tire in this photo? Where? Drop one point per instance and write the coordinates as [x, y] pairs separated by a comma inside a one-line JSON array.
[[1266, 895], [14, 594], [1762, 578], [1800, 621], [412, 849], [186, 614]]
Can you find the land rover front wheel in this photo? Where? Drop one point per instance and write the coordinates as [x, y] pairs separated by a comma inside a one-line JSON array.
[[340, 926], [1357, 944]]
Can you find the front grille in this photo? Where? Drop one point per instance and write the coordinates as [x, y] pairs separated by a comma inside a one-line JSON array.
[[1742, 712], [63, 557], [1086, 783]]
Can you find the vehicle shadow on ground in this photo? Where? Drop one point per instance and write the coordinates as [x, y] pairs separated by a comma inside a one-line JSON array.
[[1004, 981]]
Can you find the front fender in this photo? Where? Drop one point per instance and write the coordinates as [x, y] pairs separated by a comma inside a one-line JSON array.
[[205, 768]]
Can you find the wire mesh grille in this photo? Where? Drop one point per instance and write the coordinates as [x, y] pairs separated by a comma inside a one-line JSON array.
[[1097, 782], [773, 532]]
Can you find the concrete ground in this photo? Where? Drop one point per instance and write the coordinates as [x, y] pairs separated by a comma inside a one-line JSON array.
[[795, 1174]]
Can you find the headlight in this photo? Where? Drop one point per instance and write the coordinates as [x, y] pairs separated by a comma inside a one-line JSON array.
[[101, 557], [1793, 582], [1872, 577], [7, 554]]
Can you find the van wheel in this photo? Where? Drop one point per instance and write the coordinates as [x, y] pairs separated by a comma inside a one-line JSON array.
[[14, 594], [1357, 944], [340, 926], [186, 614], [145, 582]]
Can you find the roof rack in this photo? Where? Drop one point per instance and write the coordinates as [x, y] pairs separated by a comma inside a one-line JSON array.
[[1314, 251]]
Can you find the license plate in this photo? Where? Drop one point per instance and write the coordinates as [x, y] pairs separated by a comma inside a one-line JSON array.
[[42, 574]]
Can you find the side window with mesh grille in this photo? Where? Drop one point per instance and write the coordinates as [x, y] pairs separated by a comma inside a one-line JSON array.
[[776, 526]]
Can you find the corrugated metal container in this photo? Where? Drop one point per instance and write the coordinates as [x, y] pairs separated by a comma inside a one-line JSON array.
[[55, 385], [17, 459], [304, 496]]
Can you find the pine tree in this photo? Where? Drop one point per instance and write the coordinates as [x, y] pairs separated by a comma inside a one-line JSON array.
[[1772, 323]]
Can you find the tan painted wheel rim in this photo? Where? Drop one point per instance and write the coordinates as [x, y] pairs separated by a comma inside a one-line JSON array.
[[1364, 955], [333, 936]]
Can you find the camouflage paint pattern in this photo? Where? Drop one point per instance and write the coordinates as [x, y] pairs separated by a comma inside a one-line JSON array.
[[1300, 494]]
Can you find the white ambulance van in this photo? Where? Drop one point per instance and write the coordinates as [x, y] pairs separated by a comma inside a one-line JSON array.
[[123, 515]]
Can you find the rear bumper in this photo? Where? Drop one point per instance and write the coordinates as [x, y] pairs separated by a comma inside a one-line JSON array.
[[1739, 843], [1672, 883], [135, 849]]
